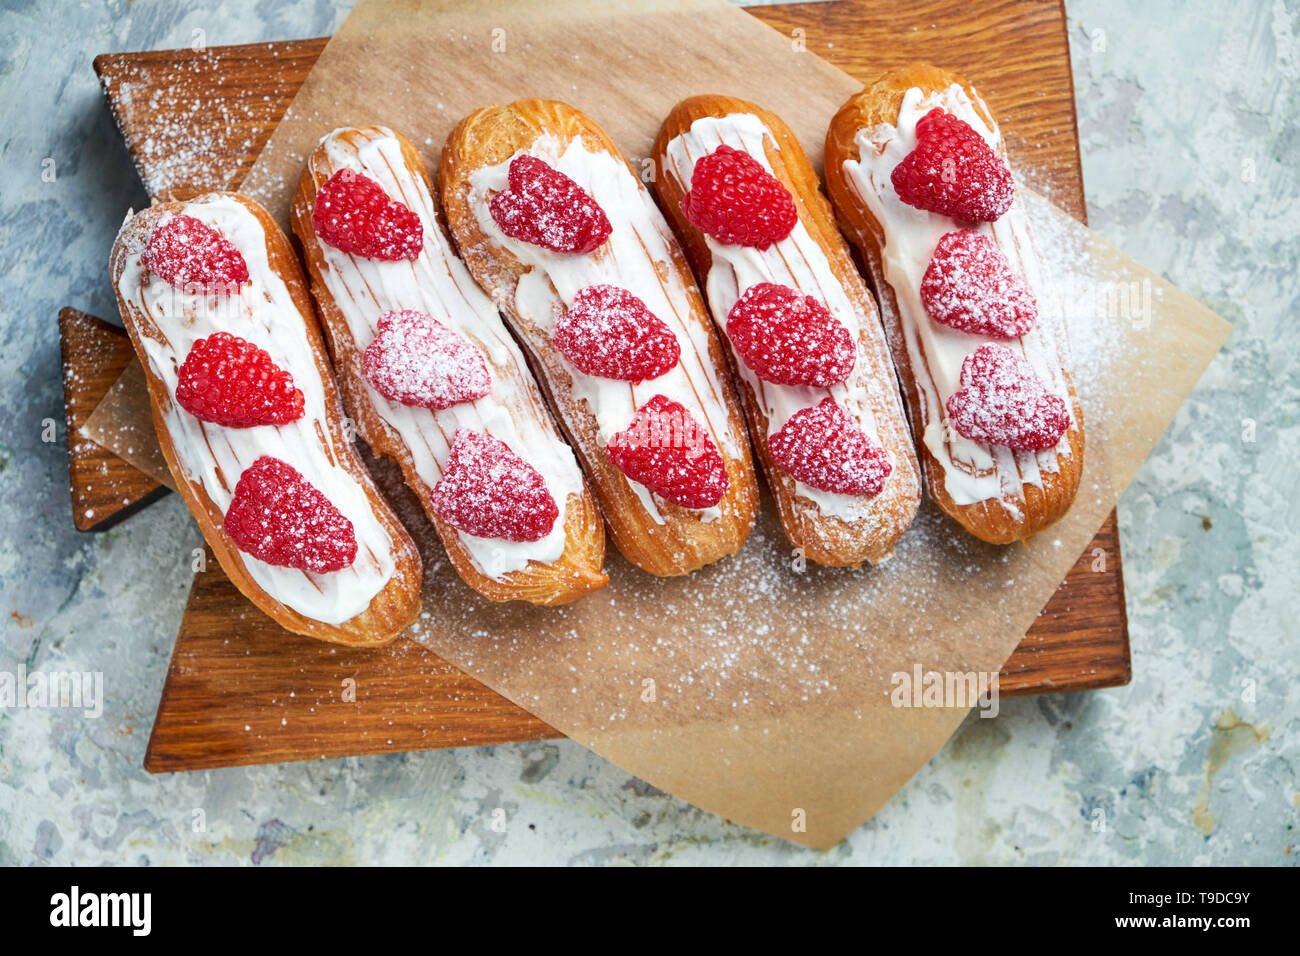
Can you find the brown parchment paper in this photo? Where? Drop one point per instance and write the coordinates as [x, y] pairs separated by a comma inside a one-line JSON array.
[[756, 688], [122, 423]]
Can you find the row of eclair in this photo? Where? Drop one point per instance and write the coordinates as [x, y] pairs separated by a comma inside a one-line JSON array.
[[545, 366]]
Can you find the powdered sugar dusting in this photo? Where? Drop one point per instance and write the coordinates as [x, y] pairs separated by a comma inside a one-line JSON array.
[[953, 171], [969, 286], [610, 332], [188, 253], [789, 338], [355, 215], [185, 139], [1002, 402], [763, 635], [668, 451], [489, 491], [416, 360], [545, 207], [823, 446]]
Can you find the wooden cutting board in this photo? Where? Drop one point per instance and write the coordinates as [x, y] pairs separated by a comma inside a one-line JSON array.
[[240, 689]]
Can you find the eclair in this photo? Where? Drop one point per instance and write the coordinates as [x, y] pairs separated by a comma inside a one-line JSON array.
[[564, 236], [806, 345], [434, 380], [250, 423], [917, 172]]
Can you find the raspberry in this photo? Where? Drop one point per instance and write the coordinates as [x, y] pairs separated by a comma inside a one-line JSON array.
[[1002, 402], [354, 215], [666, 450], [953, 171], [543, 206], [734, 199], [788, 338], [970, 287], [229, 381], [488, 491], [416, 360], [194, 257], [823, 447], [279, 517], [609, 332]]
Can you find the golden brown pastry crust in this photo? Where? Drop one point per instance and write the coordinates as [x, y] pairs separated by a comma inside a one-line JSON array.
[[990, 520], [398, 602], [684, 541], [578, 570], [822, 538]]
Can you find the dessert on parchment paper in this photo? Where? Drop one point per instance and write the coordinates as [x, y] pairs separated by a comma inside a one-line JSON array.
[[814, 373], [435, 381], [917, 171], [569, 243], [250, 423]]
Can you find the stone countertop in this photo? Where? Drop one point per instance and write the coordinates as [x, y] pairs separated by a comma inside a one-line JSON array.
[[1189, 117]]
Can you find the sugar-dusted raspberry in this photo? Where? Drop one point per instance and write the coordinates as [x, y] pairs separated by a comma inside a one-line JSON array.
[[789, 338], [609, 332], [279, 517], [1002, 402], [823, 447], [953, 171], [488, 491], [734, 199], [668, 451], [195, 258], [970, 286], [229, 381], [416, 360], [354, 215], [543, 206]]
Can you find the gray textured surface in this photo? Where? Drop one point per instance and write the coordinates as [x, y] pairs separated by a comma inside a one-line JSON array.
[[1189, 123]]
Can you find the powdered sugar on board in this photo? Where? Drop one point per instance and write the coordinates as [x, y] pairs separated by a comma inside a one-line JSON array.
[[198, 140]]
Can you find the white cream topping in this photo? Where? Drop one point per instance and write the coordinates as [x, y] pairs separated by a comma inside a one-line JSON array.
[[438, 284], [797, 261], [637, 257], [263, 312], [973, 472]]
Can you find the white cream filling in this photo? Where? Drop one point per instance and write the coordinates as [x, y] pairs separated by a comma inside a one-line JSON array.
[[213, 456], [796, 261], [637, 257], [438, 284], [973, 472]]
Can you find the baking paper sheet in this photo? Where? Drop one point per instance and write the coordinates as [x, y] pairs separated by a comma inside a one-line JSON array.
[[123, 424]]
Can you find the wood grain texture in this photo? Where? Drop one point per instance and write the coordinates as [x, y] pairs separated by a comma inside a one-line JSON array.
[[195, 120], [242, 690], [104, 488], [232, 669]]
